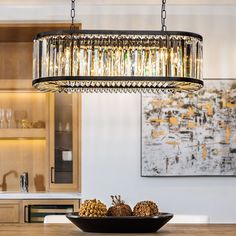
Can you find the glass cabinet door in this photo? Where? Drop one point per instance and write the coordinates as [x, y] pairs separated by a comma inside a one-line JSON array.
[[64, 142]]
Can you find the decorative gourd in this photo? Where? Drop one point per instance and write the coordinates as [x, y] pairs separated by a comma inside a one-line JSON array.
[[146, 208], [92, 208], [119, 208]]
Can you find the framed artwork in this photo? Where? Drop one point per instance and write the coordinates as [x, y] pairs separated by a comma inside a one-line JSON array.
[[190, 134]]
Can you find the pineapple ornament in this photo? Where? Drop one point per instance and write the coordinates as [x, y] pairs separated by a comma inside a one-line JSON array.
[[119, 208], [93, 208], [146, 208]]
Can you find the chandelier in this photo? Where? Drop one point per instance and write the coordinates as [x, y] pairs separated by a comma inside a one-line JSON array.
[[117, 61]]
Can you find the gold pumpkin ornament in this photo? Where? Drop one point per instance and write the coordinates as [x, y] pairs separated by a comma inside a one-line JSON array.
[[93, 208]]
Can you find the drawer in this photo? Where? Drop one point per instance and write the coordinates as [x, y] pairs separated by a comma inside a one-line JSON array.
[[9, 213]]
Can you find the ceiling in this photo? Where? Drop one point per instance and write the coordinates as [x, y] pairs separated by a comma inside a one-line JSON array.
[[59, 10], [117, 2]]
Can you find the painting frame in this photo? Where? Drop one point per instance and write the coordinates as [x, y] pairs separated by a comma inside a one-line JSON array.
[[144, 174]]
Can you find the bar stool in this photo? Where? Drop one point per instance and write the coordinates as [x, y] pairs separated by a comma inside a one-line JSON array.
[[56, 219], [190, 219]]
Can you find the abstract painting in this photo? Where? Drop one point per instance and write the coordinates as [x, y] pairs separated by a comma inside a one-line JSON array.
[[190, 134]]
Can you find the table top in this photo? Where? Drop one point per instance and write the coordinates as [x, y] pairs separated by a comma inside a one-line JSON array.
[[72, 230]]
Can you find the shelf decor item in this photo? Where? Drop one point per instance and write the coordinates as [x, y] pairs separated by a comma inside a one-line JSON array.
[[117, 61], [190, 134]]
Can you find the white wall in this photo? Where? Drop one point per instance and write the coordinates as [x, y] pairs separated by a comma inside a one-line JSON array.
[[111, 164], [111, 126]]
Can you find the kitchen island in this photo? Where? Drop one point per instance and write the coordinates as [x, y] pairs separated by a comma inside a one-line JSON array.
[[72, 230]]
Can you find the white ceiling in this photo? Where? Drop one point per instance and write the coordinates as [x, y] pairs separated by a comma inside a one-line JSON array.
[[59, 10], [117, 2]]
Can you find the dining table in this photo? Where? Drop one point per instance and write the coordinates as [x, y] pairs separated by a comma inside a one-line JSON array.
[[37, 229]]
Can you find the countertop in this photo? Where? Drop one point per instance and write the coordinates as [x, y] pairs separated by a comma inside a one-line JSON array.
[[47, 195], [72, 230]]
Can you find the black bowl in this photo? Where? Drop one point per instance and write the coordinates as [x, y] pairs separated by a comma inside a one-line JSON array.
[[120, 224]]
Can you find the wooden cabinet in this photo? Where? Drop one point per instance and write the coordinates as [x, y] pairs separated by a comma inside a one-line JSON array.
[[9, 212], [65, 110], [50, 153], [34, 211], [23, 146]]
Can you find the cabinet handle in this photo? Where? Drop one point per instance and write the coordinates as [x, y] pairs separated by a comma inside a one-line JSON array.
[[26, 213], [52, 175]]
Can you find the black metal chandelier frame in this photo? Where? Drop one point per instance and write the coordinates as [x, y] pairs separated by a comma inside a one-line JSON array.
[[117, 32]]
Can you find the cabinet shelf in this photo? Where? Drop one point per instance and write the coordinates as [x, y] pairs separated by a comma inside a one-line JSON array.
[[22, 133], [63, 132]]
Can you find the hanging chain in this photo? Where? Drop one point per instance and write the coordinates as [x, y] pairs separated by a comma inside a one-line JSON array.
[[72, 14], [163, 16]]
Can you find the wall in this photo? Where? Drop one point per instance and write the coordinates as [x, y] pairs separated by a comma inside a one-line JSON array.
[[111, 164], [111, 124]]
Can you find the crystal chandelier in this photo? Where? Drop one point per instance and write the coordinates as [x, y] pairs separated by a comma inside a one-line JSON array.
[[117, 61]]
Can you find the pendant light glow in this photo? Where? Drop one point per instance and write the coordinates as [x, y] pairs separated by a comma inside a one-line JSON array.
[[117, 61]]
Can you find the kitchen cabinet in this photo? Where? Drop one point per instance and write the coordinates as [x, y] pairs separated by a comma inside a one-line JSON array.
[[31, 141], [23, 139], [10, 211], [34, 210], [65, 142]]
